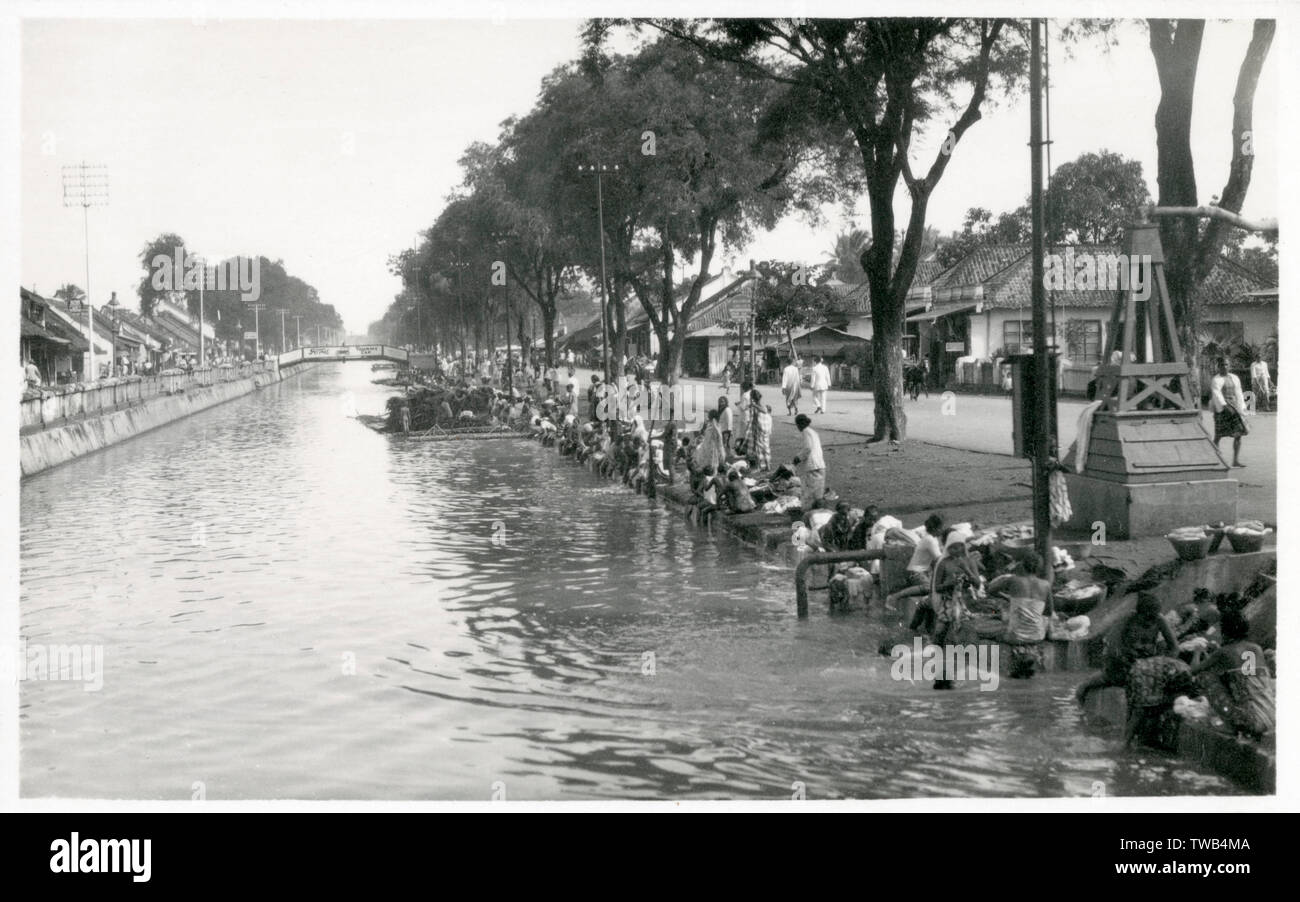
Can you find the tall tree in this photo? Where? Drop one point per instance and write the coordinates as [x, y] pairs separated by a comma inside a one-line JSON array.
[[701, 168], [884, 80], [790, 296], [1191, 246], [846, 255], [1093, 198], [164, 247]]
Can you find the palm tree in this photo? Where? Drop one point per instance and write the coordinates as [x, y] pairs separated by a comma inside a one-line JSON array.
[[846, 256], [70, 292]]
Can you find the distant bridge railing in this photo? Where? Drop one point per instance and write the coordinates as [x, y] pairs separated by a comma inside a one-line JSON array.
[[344, 353]]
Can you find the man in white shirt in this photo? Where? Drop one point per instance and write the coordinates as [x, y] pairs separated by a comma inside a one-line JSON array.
[[812, 466], [1226, 400], [791, 386], [921, 565], [1261, 383], [821, 383]]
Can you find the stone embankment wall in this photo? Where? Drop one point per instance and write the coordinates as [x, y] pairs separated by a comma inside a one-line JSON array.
[[63, 425]]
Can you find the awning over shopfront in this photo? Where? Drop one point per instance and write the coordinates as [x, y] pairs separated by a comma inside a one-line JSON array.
[[39, 332], [77, 343], [940, 310]]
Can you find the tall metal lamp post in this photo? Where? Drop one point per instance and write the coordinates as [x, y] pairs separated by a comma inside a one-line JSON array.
[[1044, 414], [599, 169], [502, 239], [458, 266], [86, 186]]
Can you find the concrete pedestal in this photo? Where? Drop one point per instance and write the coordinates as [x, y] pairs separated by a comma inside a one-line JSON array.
[[1130, 510]]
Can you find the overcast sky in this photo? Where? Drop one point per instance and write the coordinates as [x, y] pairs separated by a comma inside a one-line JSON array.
[[330, 144]]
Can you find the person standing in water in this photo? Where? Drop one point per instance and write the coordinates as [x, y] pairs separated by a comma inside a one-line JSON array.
[[811, 462]]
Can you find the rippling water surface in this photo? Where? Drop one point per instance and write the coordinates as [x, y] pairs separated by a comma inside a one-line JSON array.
[[292, 606]]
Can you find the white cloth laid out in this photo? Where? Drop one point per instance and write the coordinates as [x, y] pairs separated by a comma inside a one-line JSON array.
[[1084, 433], [876, 539], [1058, 498]]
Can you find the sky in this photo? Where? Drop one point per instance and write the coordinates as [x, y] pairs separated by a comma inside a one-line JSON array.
[[331, 144]]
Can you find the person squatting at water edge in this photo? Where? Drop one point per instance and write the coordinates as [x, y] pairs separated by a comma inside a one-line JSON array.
[[1196, 651]]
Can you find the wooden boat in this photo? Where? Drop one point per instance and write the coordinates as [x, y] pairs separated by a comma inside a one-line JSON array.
[[379, 423]]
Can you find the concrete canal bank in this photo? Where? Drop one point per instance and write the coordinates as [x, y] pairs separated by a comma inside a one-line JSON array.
[[63, 424]]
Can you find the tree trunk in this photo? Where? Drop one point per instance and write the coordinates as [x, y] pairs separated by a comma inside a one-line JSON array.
[[888, 311], [1190, 249], [548, 333], [887, 366], [671, 360], [1176, 50]]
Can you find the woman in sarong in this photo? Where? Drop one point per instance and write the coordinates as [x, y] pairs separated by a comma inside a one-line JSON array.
[[1236, 680], [761, 444], [954, 576], [1153, 684], [1029, 609], [1226, 399], [710, 451], [1146, 634]]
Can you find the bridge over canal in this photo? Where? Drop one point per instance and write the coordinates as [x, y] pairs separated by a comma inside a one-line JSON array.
[[344, 353]]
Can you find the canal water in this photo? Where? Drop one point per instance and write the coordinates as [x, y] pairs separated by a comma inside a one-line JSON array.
[[293, 606]]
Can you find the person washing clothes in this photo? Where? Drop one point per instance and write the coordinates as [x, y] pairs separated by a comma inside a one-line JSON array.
[[811, 462]]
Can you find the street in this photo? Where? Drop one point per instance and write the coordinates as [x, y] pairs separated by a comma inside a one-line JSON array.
[[983, 423]]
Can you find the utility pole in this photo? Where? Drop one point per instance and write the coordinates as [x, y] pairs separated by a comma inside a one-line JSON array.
[[297, 325], [282, 312], [86, 186], [458, 265], [257, 328], [503, 238], [203, 283], [600, 169], [1044, 421]]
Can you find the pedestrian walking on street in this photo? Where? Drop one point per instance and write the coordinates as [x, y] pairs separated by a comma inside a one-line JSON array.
[[1226, 399], [1261, 383], [811, 463], [821, 383], [791, 386]]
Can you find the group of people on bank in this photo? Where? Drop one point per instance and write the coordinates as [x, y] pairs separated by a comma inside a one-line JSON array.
[[1202, 650], [953, 577]]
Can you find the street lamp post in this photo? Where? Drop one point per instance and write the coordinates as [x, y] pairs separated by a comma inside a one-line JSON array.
[[502, 238], [297, 324], [600, 169], [86, 186], [203, 283], [257, 330], [1045, 438], [459, 265]]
